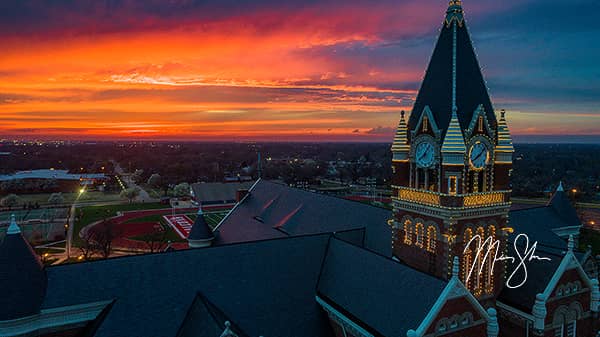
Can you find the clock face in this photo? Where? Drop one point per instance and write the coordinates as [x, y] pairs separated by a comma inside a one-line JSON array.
[[479, 155], [424, 154]]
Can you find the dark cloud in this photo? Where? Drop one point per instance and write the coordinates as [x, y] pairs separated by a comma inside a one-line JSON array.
[[380, 130]]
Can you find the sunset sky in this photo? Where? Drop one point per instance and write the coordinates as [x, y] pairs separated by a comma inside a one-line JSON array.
[[281, 70]]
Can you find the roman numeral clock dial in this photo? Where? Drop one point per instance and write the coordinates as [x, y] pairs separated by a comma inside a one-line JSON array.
[[479, 155], [424, 154]]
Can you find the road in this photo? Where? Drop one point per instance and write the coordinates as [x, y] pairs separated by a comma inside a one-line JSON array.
[[143, 196]]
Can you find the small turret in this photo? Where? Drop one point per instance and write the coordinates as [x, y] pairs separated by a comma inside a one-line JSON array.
[[562, 205], [22, 276], [400, 147], [201, 235]]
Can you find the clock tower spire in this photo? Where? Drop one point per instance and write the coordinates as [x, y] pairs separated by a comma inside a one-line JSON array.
[[451, 166]]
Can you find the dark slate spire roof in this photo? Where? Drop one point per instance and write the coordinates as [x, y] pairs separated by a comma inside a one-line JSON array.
[[22, 277], [453, 77], [200, 229], [562, 205]]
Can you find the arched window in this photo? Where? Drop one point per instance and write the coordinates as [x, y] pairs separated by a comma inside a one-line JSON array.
[[489, 271], [419, 232], [480, 124], [480, 276], [431, 238], [467, 258], [408, 232]]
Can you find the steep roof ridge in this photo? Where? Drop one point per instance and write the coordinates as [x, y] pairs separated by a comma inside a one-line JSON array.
[[454, 142], [400, 143], [505, 143]]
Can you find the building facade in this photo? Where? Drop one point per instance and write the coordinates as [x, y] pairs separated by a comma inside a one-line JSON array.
[[451, 166]]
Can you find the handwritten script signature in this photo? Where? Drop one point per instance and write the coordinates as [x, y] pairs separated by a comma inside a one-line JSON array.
[[490, 246]]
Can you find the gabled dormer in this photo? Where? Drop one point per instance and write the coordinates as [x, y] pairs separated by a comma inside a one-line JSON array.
[[426, 125], [480, 124]]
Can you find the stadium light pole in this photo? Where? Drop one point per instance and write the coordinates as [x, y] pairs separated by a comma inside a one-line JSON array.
[[69, 226]]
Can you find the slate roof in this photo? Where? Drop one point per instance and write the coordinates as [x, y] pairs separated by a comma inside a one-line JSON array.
[[436, 89], [538, 223], [266, 288], [273, 210], [200, 229], [218, 193], [22, 278], [563, 208], [387, 297], [204, 319]]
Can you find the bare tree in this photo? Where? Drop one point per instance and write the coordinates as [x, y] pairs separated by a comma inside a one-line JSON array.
[[130, 193], [156, 240], [88, 244], [10, 201], [105, 233]]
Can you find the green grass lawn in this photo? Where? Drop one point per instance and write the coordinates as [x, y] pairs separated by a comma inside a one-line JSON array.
[[213, 219], [91, 214]]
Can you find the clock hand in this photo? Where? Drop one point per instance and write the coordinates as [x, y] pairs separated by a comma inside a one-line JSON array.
[[478, 155]]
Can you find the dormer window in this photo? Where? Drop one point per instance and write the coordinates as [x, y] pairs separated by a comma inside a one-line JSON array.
[[425, 124], [480, 124]]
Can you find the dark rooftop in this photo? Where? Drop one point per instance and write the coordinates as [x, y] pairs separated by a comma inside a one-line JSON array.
[[387, 296], [22, 278], [273, 210]]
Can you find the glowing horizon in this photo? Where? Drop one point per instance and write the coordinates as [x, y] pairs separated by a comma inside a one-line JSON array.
[[328, 71]]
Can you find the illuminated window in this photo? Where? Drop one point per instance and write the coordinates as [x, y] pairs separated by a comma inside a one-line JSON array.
[[479, 279], [408, 232], [419, 229], [425, 124], [490, 262], [431, 239], [452, 185], [480, 124], [467, 258]]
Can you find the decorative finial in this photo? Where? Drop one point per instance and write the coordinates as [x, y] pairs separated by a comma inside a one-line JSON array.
[[411, 333], [454, 12], [13, 228], [502, 114], [492, 327], [227, 332], [199, 210], [560, 187], [571, 243], [402, 114], [455, 267]]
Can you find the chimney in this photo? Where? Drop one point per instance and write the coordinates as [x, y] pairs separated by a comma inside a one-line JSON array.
[[240, 194]]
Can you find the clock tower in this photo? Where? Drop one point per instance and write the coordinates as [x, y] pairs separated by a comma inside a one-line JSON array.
[[452, 160]]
